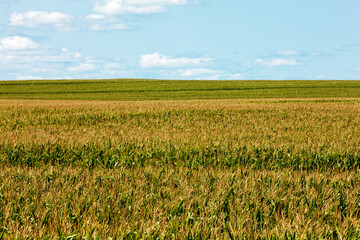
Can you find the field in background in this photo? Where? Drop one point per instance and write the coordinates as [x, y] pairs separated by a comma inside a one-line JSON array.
[[280, 168], [137, 89]]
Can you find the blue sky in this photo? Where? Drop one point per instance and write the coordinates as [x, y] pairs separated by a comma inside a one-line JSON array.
[[179, 39]]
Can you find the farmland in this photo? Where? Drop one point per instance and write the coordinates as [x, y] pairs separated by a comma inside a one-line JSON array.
[[140, 89], [226, 160]]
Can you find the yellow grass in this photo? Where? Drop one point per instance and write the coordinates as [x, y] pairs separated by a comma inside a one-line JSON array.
[[314, 124]]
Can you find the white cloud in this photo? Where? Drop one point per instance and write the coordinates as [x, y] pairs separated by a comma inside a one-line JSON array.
[[29, 77], [115, 7], [38, 56], [17, 43], [235, 76], [113, 65], [321, 77], [154, 2], [208, 74], [22, 58], [115, 73], [197, 72], [36, 19], [277, 62], [95, 16], [82, 67], [63, 22], [108, 27], [98, 22], [157, 60], [209, 77], [287, 53], [41, 61]]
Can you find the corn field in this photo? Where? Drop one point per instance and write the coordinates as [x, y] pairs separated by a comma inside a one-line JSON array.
[[184, 169]]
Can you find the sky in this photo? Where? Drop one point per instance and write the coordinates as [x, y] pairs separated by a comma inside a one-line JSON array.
[[180, 39]]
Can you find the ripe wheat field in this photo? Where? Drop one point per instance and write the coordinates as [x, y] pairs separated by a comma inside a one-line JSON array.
[[275, 167]]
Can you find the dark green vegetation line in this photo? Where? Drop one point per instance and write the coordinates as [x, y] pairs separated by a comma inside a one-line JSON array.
[[138, 89], [130, 155]]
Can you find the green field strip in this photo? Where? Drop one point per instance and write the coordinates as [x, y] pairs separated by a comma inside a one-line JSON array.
[[125, 89]]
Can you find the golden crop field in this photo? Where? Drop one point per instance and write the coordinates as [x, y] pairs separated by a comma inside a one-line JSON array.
[[316, 125], [224, 169]]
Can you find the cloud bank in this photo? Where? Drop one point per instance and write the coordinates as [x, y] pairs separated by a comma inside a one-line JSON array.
[[17, 43], [141, 7], [156, 60], [40, 19], [277, 62]]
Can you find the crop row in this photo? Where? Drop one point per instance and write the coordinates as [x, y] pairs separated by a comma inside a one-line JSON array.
[[130, 155], [166, 202]]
